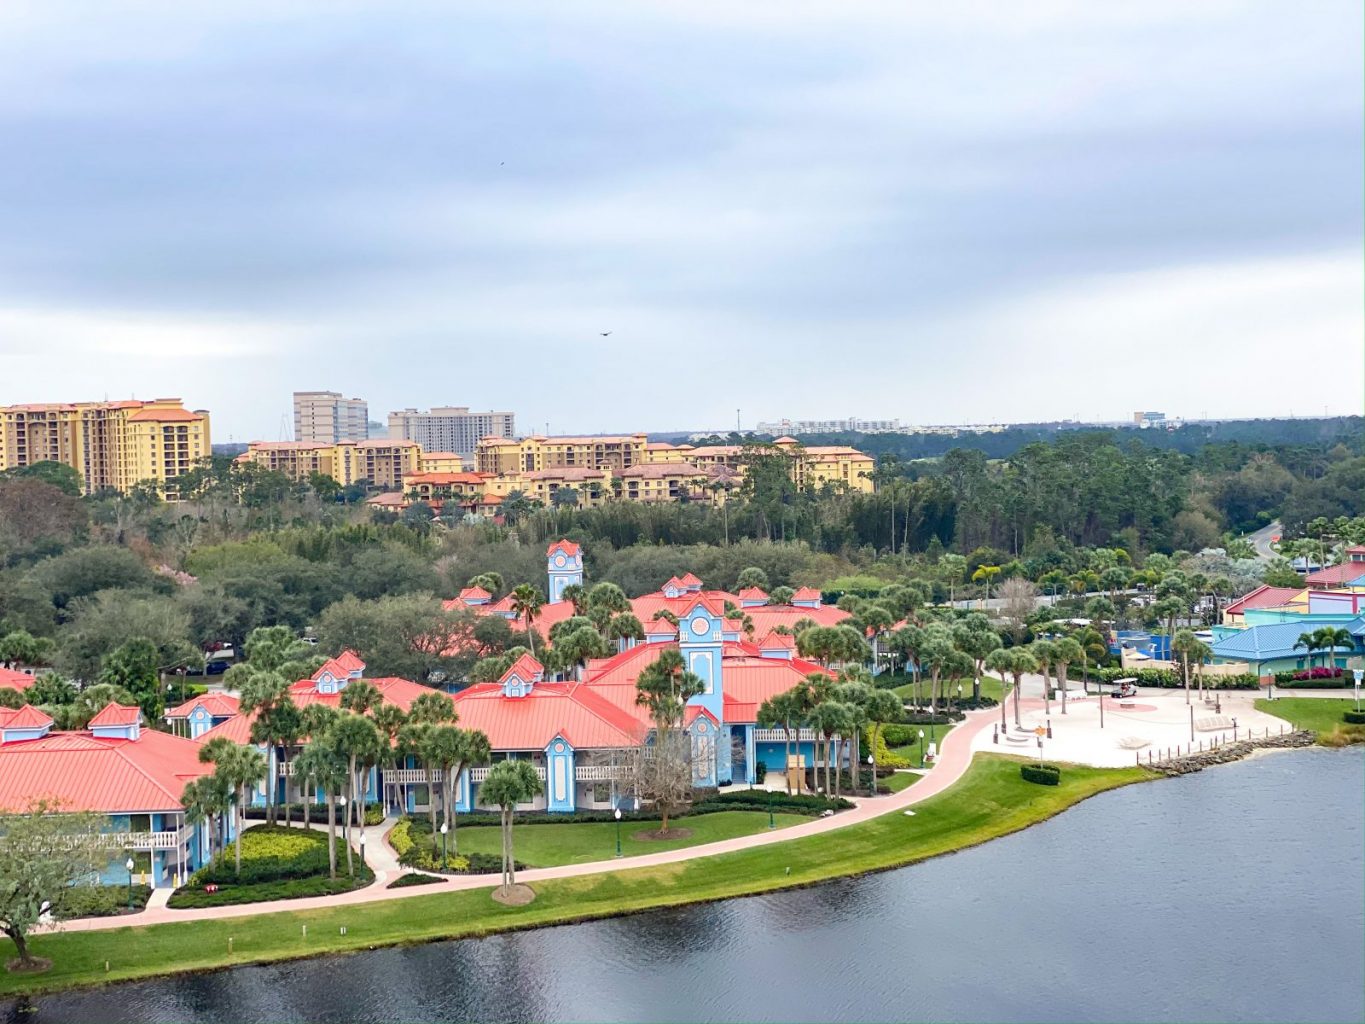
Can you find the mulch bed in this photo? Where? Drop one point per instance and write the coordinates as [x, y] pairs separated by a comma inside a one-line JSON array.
[[514, 895], [650, 835]]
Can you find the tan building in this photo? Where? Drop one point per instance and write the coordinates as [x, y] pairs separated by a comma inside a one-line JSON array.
[[501, 455], [659, 482], [383, 463], [325, 417], [814, 466], [112, 445], [446, 462]]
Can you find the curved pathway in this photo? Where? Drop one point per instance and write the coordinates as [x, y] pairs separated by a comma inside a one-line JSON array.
[[955, 756]]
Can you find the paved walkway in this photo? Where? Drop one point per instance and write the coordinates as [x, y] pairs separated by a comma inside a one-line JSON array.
[[955, 756]]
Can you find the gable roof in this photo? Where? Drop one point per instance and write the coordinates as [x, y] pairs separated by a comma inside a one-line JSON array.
[[26, 717], [1346, 572], [1264, 596], [475, 594], [566, 546], [113, 715], [569, 710], [217, 704], [13, 680], [753, 594]]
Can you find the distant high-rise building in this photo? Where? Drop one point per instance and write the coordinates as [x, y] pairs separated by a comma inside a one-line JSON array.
[[450, 429], [851, 425], [112, 445], [325, 417], [1149, 419]]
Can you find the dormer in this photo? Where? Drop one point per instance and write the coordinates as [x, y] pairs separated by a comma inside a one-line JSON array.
[[475, 597], [674, 588], [660, 631], [521, 678], [117, 722], [328, 682], [25, 723], [806, 597], [752, 597], [778, 645], [690, 584]]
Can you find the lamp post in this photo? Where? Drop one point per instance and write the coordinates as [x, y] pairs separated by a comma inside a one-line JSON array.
[[771, 823], [959, 695], [872, 768], [921, 748], [445, 855], [617, 815], [345, 823], [129, 865], [362, 851]]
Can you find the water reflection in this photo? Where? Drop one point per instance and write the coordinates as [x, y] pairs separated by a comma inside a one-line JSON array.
[[1157, 902]]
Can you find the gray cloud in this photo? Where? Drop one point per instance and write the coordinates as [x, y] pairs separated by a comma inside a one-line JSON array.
[[762, 201]]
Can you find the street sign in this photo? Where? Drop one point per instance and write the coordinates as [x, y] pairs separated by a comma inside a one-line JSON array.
[[1040, 731]]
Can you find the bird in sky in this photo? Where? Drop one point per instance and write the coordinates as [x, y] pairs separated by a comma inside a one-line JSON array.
[[604, 333]]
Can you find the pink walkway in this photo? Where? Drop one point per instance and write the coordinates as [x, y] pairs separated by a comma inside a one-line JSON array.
[[955, 755]]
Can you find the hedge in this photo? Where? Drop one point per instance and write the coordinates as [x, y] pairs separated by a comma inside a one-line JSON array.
[[415, 878], [1312, 684], [1308, 674], [104, 900], [186, 898], [1170, 679], [317, 813], [1353, 717], [1042, 774]]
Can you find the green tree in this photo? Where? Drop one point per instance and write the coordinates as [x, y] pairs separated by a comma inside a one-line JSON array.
[[240, 769], [133, 666], [207, 800], [46, 857], [322, 765], [975, 638], [510, 783], [663, 689], [357, 739], [526, 604], [1017, 661], [1065, 652]]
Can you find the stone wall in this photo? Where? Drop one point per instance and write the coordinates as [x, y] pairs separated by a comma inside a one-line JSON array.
[[1227, 752]]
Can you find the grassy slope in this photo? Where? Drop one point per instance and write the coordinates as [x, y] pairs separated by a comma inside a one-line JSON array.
[[1321, 714], [545, 846], [990, 801]]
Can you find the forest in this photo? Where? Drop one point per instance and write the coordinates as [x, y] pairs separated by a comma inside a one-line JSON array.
[[114, 588]]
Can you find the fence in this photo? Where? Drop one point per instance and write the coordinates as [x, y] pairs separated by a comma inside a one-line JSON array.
[[1200, 746]]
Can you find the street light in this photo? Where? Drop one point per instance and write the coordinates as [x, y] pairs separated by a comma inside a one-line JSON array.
[[362, 851], [445, 856], [617, 815], [921, 747], [771, 823], [129, 865], [872, 767], [345, 823]]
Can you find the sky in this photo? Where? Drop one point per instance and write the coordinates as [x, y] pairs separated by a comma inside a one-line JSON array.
[[942, 213]]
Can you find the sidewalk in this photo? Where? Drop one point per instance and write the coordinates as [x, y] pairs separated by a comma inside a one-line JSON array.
[[955, 756]]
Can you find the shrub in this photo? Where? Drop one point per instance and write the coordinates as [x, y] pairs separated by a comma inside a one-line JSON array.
[[374, 813], [104, 900], [186, 898], [1294, 682], [1042, 774], [270, 853], [415, 878], [760, 771], [794, 803], [1169, 679], [1353, 717]]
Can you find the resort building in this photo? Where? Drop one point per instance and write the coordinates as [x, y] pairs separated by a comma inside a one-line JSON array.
[[112, 445], [451, 429], [325, 417], [813, 466], [130, 775], [381, 462], [501, 456]]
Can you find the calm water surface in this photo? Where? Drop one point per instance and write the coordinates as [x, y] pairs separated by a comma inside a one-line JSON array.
[[1236, 894]]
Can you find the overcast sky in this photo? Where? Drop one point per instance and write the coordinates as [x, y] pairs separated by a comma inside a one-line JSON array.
[[942, 212]]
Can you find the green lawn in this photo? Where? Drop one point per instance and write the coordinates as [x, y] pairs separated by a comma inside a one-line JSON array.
[[1321, 714], [990, 801], [990, 687], [901, 780], [544, 846], [911, 751]]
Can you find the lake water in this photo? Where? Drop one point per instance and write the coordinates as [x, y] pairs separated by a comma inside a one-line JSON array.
[[1237, 894]]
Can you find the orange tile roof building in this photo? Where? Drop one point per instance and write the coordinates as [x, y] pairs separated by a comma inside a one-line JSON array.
[[131, 776]]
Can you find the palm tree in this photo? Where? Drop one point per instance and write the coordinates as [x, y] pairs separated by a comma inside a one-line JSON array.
[[358, 740], [389, 719], [855, 696], [779, 712], [322, 764], [205, 800], [526, 604], [240, 769], [1332, 637], [828, 718], [1183, 644], [1016, 661], [882, 706], [510, 783], [1043, 652], [1309, 642], [663, 689], [1064, 652]]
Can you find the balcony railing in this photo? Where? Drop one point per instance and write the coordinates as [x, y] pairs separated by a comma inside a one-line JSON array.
[[781, 736], [142, 840], [598, 772]]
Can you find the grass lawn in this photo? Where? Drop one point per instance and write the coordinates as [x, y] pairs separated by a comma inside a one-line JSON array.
[[911, 751], [901, 780], [278, 863], [990, 687], [1321, 714], [544, 846], [990, 801]]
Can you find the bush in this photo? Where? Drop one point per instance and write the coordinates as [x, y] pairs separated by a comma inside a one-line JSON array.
[[187, 898], [104, 900], [756, 800], [1353, 717], [760, 771], [1303, 674], [1293, 682], [374, 813], [1042, 774], [1169, 679], [270, 853], [416, 878]]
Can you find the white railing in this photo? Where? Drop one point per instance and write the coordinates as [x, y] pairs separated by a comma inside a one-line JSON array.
[[782, 736], [284, 769], [479, 774], [408, 776], [140, 840], [598, 772]]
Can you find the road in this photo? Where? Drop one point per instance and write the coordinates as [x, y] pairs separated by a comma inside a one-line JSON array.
[[1260, 541]]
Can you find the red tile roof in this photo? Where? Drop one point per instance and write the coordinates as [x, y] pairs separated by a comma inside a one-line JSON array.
[[566, 546], [88, 773], [690, 580], [218, 705], [526, 668], [475, 594], [806, 594], [752, 594], [12, 680], [775, 641], [164, 416], [570, 710], [117, 715], [1346, 572]]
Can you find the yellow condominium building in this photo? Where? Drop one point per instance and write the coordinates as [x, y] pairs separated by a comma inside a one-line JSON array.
[[112, 445], [813, 467], [502, 455], [382, 462]]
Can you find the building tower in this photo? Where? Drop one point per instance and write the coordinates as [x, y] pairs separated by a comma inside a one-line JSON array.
[[564, 561]]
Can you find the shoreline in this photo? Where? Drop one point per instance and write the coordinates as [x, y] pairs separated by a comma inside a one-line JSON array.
[[876, 845]]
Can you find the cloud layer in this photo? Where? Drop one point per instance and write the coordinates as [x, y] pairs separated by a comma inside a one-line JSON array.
[[965, 213]]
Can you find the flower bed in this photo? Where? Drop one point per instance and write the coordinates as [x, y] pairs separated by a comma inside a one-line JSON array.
[[278, 863]]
